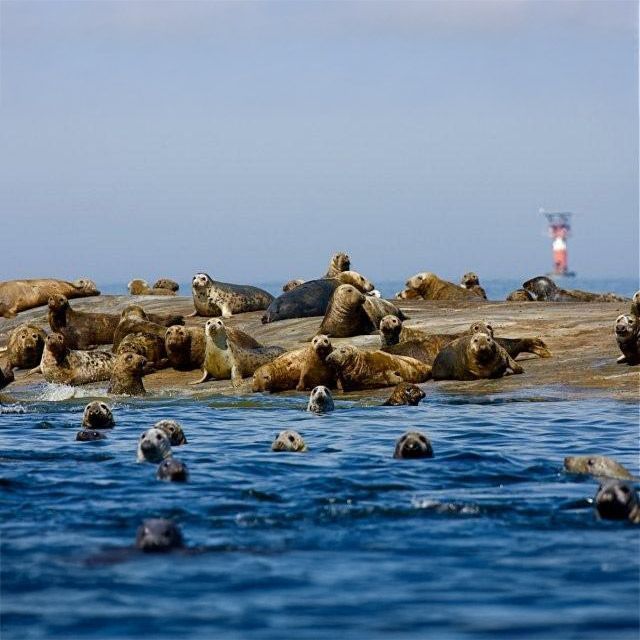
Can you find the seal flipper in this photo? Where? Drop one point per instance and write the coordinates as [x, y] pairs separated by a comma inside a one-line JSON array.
[[205, 376]]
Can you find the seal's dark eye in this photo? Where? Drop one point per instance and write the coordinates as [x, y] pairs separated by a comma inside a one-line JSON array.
[[591, 462], [624, 489], [291, 439], [422, 439], [158, 437]]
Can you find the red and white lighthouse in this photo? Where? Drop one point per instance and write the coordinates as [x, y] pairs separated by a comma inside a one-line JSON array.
[[559, 230]]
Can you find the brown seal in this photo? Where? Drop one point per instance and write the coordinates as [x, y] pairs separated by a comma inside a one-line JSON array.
[[616, 500], [132, 323], [430, 287], [405, 393], [165, 319], [148, 345], [245, 360], [471, 282], [289, 441], [6, 375], [598, 466], [185, 347], [292, 284], [356, 369], [26, 344], [141, 287], [346, 315], [166, 283], [339, 262], [378, 308], [413, 445], [520, 295], [66, 366], [473, 357], [300, 369], [513, 346], [126, 377], [627, 330], [635, 305], [97, 415], [81, 330], [546, 290], [20, 295], [408, 294]]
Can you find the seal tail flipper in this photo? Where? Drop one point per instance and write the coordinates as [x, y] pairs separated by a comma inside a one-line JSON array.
[[37, 369], [621, 359], [192, 315], [204, 378]]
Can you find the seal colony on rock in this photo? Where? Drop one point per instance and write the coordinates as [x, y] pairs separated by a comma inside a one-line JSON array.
[[212, 298], [26, 344]]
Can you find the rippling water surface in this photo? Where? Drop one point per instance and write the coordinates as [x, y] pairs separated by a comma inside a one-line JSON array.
[[489, 539]]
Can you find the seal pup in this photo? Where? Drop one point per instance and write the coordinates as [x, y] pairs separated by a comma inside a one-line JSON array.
[[357, 369], [473, 357], [289, 441], [141, 287], [6, 376], [413, 445], [25, 347], [346, 315], [213, 298], [148, 345], [165, 319], [172, 470], [217, 358], [90, 435], [519, 295], [339, 262], [292, 284], [405, 393], [97, 415], [158, 535], [598, 466], [185, 347], [628, 339], [20, 295], [173, 430], [68, 366], [471, 281], [166, 283], [300, 369], [153, 446], [616, 500], [126, 377], [320, 400], [430, 287]]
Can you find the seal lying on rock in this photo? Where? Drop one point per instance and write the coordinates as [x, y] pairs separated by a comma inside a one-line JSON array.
[[153, 446], [165, 319], [405, 393], [520, 295], [320, 400], [356, 369], [289, 441], [141, 287], [300, 369], [430, 287], [133, 323], [212, 298], [126, 377], [20, 295], [471, 281], [173, 430], [158, 535], [595, 465], [166, 283], [81, 330], [546, 290], [245, 360], [617, 500], [26, 344], [473, 357], [172, 470], [635, 305], [413, 445], [66, 366], [408, 294], [627, 330], [185, 347], [148, 345], [6, 376], [339, 262], [97, 415]]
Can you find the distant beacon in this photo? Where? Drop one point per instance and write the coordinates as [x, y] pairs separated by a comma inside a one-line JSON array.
[[559, 230]]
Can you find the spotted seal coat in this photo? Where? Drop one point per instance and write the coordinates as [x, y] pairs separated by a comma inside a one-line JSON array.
[[520, 295], [148, 345], [132, 323], [185, 347], [126, 376], [25, 347], [165, 319], [173, 430], [153, 446], [172, 470], [97, 415], [405, 393], [320, 400], [546, 290], [166, 283], [245, 360]]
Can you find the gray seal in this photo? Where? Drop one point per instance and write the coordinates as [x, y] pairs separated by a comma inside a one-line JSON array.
[[412, 445], [320, 400], [158, 535], [90, 435], [97, 415], [153, 446], [627, 330], [172, 470], [289, 441], [173, 430]]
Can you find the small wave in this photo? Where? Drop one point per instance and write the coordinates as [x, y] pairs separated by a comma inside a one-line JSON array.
[[13, 408], [52, 392]]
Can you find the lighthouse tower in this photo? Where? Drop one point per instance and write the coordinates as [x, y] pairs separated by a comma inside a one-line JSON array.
[[559, 230]]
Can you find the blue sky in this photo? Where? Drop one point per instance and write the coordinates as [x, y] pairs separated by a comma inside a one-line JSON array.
[[252, 140]]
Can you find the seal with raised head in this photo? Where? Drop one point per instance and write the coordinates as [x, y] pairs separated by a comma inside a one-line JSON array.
[[173, 430], [213, 298], [158, 535], [300, 369], [172, 470], [185, 347], [289, 441], [69, 366], [97, 415], [473, 357], [153, 446], [217, 358], [133, 323], [616, 500], [139, 287], [520, 295], [413, 445], [166, 283], [90, 435], [20, 295], [471, 281], [378, 308], [165, 319], [6, 375], [26, 344], [339, 262], [544, 289], [430, 287], [346, 315], [356, 369], [292, 284], [148, 345], [597, 466], [627, 330], [320, 400], [82, 330], [126, 377], [405, 393], [245, 360]]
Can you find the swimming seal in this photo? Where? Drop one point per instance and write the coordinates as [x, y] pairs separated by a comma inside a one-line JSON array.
[[597, 466], [300, 369], [126, 377], [172, 470], [26, 344], [405, 393], [97, 415], [616, 500], [473, 357], [20, 295], [157, 535], [430, 287], [141, 287], [339, 262], [320, 400], [413, 445], [90, 435], [357, 369], [153, 446], [627, 331], [173, 430], [185, 347], [68, 366], [471, 282], [289, 441], [212, 298]]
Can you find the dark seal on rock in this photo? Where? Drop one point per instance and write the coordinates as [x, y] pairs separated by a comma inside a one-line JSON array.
[[165, 319], [616, 500], [6, 376], [172, 470], [97, 415], [546, 290], [158, 535], [26, 344], [166, 283], [126, 377], [405, 393], [413, 445], [346, 315]]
